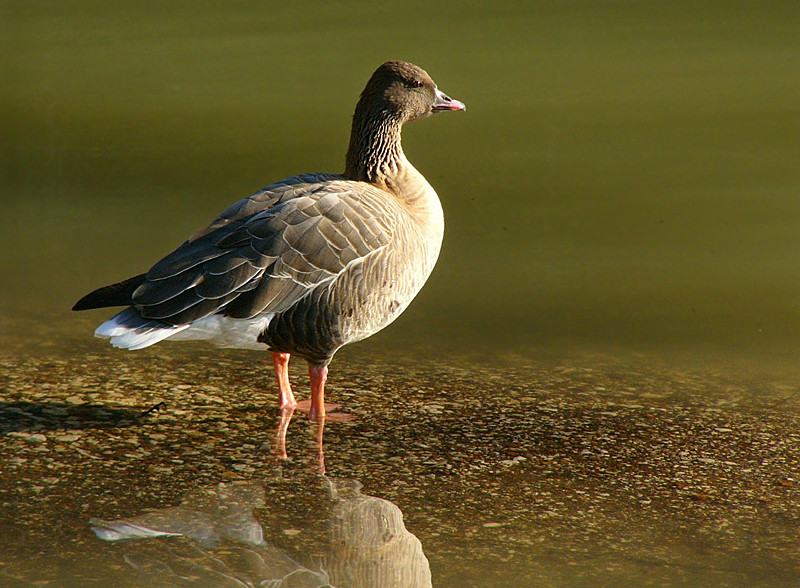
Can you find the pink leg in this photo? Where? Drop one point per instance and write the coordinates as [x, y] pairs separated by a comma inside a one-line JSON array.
[[315, 407], [285, 396], [318, 375]]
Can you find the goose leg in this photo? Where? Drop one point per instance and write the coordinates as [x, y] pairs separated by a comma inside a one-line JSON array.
[[285, 396], [315, 407]]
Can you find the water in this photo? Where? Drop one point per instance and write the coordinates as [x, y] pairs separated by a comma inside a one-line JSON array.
[[620, 197]]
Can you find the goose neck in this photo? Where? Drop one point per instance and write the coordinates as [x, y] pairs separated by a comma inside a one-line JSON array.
[[376, 152]]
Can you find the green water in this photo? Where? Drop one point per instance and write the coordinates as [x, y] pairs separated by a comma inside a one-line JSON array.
[[626, 172], [625, 181]]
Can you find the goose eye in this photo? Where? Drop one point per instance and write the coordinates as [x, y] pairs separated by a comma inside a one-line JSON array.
[[415, 84]]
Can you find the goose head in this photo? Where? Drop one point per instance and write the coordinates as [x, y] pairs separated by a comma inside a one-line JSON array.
[[404, 92]]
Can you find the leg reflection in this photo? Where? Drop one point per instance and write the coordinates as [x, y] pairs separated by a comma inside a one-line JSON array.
[[318, 431], [279, 447], [317, 428], [316, 446]]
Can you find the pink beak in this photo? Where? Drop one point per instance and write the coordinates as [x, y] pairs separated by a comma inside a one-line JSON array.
[[444, 102]]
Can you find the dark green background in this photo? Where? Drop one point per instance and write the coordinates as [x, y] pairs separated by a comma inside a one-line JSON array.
[[626, 175]]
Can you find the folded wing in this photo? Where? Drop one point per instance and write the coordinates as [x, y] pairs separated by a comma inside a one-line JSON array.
[[266, 252]]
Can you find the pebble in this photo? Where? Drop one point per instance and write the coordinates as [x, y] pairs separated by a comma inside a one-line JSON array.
[[31, 437]]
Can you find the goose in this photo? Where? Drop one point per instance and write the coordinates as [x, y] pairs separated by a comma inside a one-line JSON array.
[[309, 263]]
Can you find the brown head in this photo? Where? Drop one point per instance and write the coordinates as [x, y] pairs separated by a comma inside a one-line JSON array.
[[397, 93], [405, 92]]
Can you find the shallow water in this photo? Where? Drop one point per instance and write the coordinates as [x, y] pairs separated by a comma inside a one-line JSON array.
[[597, 387], [578, 471]]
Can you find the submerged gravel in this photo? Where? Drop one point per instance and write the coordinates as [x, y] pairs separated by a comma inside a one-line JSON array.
[[588, 470]]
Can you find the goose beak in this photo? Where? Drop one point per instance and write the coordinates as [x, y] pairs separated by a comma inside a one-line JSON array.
[[444, 102]]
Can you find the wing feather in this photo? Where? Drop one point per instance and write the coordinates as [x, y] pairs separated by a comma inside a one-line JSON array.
[[266, 252], [219, 285], [154, 292]]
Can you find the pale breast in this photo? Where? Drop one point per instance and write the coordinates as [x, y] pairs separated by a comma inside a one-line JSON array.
[[371, 291]]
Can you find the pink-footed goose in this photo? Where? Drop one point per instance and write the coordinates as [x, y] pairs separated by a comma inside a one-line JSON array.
[[308, 264]]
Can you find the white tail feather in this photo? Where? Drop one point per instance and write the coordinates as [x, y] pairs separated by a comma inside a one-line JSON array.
[[129, 330]]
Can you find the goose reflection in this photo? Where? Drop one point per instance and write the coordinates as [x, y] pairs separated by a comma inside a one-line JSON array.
[[318, 430], [318, 455], [307, 530]]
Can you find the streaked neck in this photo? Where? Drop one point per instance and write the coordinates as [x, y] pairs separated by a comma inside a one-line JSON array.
[[375, 152]]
